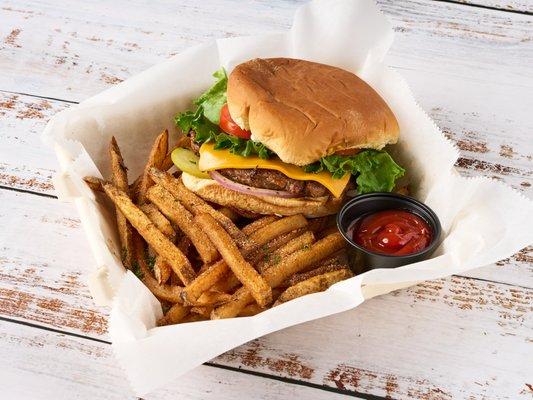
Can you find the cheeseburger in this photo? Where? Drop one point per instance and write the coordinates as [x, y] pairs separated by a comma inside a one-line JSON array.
[[286, 136]]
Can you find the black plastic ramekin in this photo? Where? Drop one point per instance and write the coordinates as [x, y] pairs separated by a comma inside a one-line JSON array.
[[361, 258]]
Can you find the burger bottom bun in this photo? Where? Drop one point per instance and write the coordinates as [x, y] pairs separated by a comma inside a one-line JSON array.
[[213, 192]]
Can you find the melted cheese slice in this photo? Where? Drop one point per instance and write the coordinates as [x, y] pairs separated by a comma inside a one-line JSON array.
[[211, 159]]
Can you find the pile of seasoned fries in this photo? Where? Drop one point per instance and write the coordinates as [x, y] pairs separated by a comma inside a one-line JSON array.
[[203, 261]]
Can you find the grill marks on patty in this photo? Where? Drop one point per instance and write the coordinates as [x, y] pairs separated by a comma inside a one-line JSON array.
[[269, 179]]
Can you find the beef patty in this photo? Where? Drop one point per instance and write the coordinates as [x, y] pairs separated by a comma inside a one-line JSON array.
[[269, 179], [274, 180]]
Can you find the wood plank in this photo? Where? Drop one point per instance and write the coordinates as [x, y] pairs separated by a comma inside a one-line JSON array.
[[38, 364], [385, 347], [25, 163], [508, 5], [42, 276]]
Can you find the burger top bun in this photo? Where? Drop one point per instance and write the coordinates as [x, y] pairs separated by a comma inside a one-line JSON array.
[[303, 110]]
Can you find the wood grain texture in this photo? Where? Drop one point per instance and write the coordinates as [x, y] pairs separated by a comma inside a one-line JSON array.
[[38, 364], [509, 5], [25, 163], [43, 279], [389, 346]]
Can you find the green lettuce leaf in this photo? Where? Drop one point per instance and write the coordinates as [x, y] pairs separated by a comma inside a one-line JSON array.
[[212, 101], [196, 121], [241, 147], [376, 171]]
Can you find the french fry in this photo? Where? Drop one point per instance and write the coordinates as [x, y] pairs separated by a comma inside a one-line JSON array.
[[195, 204], [327, 231], [301, 242], [297, 278], [174, 315], [155, 159], [134, 187], [228, 212], [167, 163], [240, 299], [229, 251], [119, 178], [298, 243], [162, 292], [274, 235], [263, 253], [227, 283], [318, 224], [250, 310], [204, 311], [271, 231], [258, 224], [184, 244], [159, 220], [315, 284], [162, 270], [211, 298], [95, 184], [301, 260], [216, 271], [193, 317], [230, 281], [180, 216], [275, 275], [159, 242], [174, 280], [339, 257], [204, 281]]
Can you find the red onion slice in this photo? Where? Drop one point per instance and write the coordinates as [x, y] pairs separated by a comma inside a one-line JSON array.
[[239, 187]]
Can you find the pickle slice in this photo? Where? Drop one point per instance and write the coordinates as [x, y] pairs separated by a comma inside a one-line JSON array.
[[186, 161]]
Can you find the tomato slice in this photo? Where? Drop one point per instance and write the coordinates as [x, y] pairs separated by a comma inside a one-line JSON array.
[[229, 126]]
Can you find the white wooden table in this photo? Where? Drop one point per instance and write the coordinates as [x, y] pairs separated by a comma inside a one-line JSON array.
[[469, 64]]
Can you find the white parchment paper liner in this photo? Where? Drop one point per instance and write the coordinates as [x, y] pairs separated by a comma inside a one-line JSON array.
[[483, 220]]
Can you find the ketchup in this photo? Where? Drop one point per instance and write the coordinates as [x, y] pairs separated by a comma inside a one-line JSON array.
[[392, 232]]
